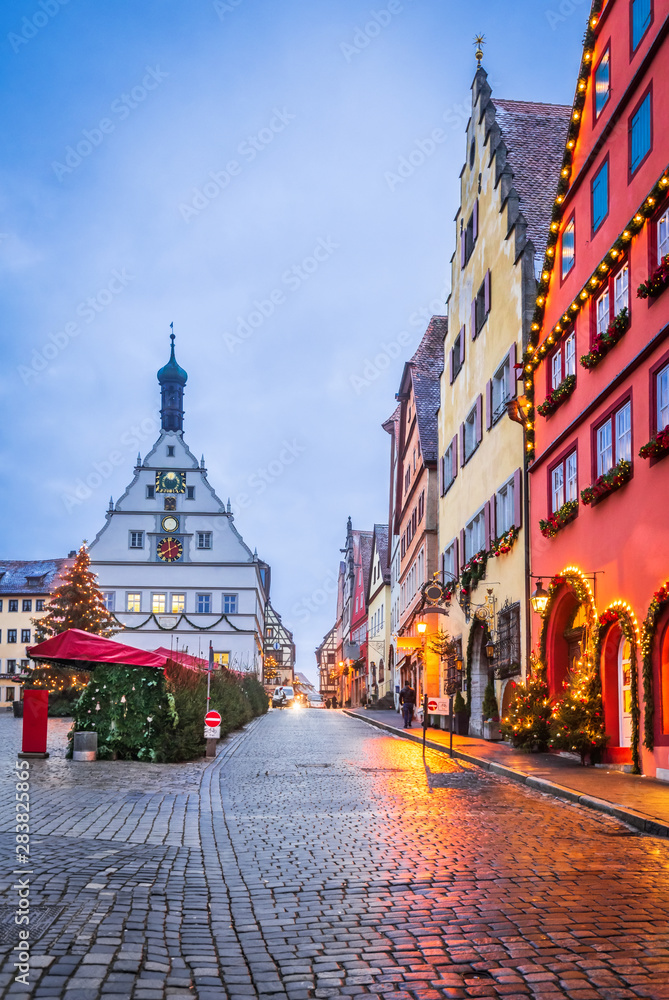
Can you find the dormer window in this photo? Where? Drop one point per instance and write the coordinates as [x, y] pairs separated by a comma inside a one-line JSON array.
[[170, 451], [35, 581]]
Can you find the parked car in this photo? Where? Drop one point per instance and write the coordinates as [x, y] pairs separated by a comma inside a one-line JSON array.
[[315, 701], [283, 697]]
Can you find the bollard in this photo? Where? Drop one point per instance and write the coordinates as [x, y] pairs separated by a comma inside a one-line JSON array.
[[35, 724], [85, 746]]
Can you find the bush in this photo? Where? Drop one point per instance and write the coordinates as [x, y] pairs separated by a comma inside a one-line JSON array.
[[490, 708], [459, 704]]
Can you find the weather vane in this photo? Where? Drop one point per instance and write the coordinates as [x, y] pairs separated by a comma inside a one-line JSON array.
[[479, 42]]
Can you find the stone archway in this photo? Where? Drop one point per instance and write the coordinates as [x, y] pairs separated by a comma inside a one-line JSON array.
[[479, 681]]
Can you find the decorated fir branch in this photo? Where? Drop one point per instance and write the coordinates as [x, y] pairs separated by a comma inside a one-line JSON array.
[[557, 396], [603, 342], [657, 446], [577, 720], [76, 603], [550, 526], [527, 723], [607, 483], [657, 281]]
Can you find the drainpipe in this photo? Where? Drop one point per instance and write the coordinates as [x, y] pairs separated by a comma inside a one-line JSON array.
[[528, 568]]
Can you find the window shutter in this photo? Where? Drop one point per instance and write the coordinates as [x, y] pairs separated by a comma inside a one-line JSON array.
[[456, 558], [493, 519], [450, 366], [474, 330], [486, 292], [475, 220], [517, 498], [462, 443], [513, 372], [463, 547], [454, 446], [488, 405], [463, 334], [463, 248], [479, 418], [441, 476], [442, 563], [486, 518]]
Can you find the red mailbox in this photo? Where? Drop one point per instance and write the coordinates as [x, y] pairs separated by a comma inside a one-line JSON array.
[[35, 722]]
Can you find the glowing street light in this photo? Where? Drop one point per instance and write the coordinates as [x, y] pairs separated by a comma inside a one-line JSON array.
[[539, 599]]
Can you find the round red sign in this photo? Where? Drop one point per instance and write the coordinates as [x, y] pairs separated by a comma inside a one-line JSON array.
[[212, 719], [432, 706]]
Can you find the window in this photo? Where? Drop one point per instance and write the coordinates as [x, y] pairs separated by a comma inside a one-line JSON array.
[[178, 603], [204, 539], [556, 369], [621, 290], [421, 506], [449, 465], [642, 18], [39, 604], [223, 659], [501, 382], [640, 133], [9, 694], [563, 482], [568, 248], [481, 306], [13, 605], [11, 666], [0, 597], [150, 492], [457, 358], [109, 598], [602, 82], [470, 434], [602, 312], [407, 479], [663, 236], [158, 602], [614, 439], [25, 635], [505, 509], [570, 354], [24, 664], [26, 605], [662, 391], [450, 563], [469, 235], [133, 602], [190, 493], [11, 635], [170, 451], [136, 539], [600, 196], [204, 604], [507, 659], [475, 535]]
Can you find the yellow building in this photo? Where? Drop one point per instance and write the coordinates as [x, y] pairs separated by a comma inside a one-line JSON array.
[[512, 148], [379, 673], [24, 593]]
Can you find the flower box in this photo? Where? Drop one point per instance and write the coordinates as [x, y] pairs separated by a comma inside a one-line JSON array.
[[603, 342], [557, 396], [504, 543], [657, 282], [608, 483], [657, 446], [473, 571], [566, 513]]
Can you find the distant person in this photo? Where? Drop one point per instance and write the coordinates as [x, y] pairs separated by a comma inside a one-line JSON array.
[[334, 701], [327, 702], [408, 702]]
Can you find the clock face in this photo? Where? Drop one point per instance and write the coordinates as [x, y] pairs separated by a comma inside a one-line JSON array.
[[170, 482], [169, 549], [170, 523]]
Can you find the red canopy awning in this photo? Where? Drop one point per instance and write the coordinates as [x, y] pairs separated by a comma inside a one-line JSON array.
[[80, 648], [183, 658]]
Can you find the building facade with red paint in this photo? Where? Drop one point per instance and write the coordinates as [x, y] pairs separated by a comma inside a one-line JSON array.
[[597, 387]]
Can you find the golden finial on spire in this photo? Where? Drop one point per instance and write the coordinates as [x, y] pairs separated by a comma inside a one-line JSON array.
[[479, 42]]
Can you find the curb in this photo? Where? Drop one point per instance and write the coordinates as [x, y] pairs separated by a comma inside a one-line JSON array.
[[645, 824]]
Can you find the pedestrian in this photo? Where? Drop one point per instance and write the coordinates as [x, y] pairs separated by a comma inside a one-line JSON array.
[[407, 701], [327, 702], [334, 700]]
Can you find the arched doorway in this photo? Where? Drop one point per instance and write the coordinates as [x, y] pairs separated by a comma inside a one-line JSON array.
[[565, 639], [507, 697], [479, 681]]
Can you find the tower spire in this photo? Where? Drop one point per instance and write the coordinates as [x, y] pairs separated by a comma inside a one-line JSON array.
[[172, 380]]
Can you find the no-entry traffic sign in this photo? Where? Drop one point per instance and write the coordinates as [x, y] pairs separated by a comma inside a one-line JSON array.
[[437, 706], [212, 719]]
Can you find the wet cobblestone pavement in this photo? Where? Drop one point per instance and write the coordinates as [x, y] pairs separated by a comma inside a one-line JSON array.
[[317, 857]]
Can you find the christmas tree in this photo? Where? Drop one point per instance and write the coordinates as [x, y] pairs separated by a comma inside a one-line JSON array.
[[527, 723], [76, 603], [578, 719]]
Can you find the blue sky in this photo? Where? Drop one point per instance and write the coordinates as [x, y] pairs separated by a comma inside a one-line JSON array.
[[232, 167]]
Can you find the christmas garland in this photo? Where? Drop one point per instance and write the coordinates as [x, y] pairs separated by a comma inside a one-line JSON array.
[[170, 628], [473, 571], [607, 483], [657, 282], [557, 396], [582, 592], [657, 446], [623, 618], [603, 342], [566, 513], [648, 632], [504, 543]]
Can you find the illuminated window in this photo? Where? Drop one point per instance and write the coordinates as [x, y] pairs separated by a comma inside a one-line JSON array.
[[568, 248], [642, 18], [178, 603], [603, 312], [602, 82], [158, 602], [600, 196], [621, 290], [222, 659], [133, 602]]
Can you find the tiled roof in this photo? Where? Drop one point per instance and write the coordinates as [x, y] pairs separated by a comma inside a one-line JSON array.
[[14, 574], [366, 539], [535, 136], [426, 366]]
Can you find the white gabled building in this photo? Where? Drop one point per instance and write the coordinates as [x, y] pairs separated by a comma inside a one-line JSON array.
[[171, 564]]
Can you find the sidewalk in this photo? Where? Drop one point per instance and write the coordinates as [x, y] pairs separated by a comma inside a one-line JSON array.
[[642, 802]]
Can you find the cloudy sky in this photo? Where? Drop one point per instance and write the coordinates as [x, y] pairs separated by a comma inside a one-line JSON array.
[[234, 167]]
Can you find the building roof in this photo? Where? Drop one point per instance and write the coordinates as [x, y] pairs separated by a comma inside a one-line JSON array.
[[425, 367], [534, 135], [366, 541], [172, 372], [15, 573], [381, 535]]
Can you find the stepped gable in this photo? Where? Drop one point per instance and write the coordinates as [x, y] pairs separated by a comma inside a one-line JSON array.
[[426, 367], [366, 540], [534, 135]]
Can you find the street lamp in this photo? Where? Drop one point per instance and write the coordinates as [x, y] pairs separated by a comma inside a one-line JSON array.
[[539, 599], [421, 627], [490, 648]]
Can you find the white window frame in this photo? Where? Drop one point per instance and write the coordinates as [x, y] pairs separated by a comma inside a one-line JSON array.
[[505, 507], [557, 487], [662, 393], [470, 433], [200, 599], [235, 599], [571, 476], [133, 537], [556, 369], [204, 539], [449, 563], [475, 534], [663, 236], [177, 598], [501, 392], [621, 290], [623, 417], [603, 312], [109, 598], [570, 354]]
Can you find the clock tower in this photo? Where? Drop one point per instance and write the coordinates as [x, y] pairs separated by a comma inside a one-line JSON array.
[[172, 380], [171, 564]]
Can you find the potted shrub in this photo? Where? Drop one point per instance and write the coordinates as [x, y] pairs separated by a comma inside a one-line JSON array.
[[491, 730], [461, 715]]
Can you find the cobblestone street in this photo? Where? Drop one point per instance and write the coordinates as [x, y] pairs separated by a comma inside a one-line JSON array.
[[318, 857]]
